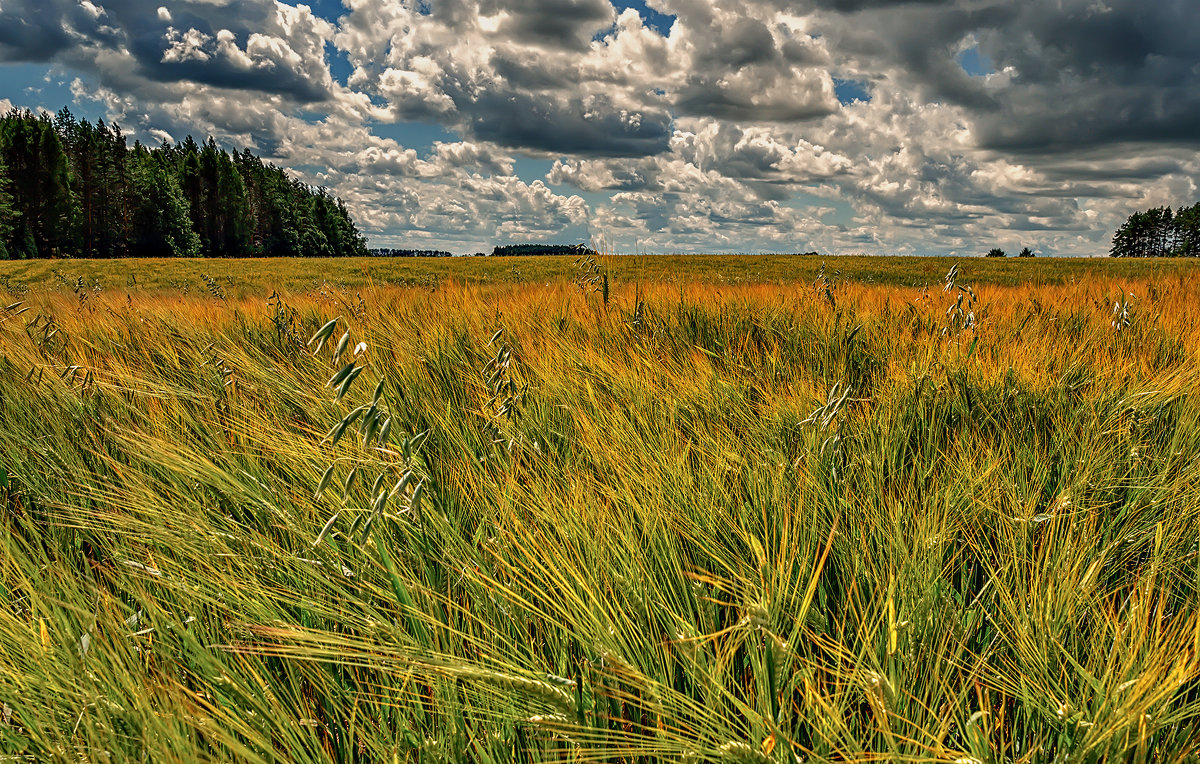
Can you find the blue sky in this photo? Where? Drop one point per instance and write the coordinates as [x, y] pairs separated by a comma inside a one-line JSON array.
[[675, 125]]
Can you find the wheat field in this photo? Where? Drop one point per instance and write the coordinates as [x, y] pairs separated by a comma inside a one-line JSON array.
[[602, 515]]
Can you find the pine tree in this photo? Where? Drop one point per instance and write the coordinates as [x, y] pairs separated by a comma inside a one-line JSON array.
[[250, 168], [1159, 232], [118, 190], [187, 156], [162, 225], [1187, 231], [41, 185], [232, 209], [74, 188], [1131, 238], [7, 212]]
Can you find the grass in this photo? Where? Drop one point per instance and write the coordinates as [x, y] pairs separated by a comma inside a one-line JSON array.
[[258, 277], [749, 520]]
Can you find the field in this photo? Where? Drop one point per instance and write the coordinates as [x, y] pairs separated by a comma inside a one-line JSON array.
[[730, 509], [259, 277]]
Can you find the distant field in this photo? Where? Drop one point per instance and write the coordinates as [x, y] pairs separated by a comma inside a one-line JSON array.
[[261, 276], [734, 514]]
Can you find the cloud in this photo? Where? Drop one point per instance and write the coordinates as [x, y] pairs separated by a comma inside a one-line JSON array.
[[724, 131], [591, 125], [525, 75], [244, 44], [287, 57], [1067, 75], [34, 31], [552, 23]]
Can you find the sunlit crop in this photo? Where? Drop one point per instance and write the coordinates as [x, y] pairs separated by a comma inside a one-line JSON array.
[[786, 519]]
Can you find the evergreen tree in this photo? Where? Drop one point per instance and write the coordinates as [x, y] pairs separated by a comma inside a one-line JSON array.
[[233, 210], [41, 186], [310, 238], [1130, 239], [74, 188], [100, 180], [1159, 232], [187, 156], [349, 241], [1187, 231], [162, 226], [118, 189], [250, 168], [7, 212]]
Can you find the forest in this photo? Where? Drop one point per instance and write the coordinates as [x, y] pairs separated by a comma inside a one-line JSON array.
[[529, 250], [1159, 232], [393, 252], [70, 188]]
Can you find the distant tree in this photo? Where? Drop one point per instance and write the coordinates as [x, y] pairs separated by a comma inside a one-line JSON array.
[[996, 252], [1128, 239], [69, 187], [224, 220], [1159, 232], [7, 211], [334, 222], [100, 180], [511, 250], [1187, 231], [391, 252], [41, 186], [162, 226], [1026, 252]]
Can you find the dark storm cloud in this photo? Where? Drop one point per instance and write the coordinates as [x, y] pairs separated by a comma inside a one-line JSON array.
[[581, 126], [524, 74], [32, 30], [921, 42], [776, 191], [557, 23], [744, 42], [1070, 74], [185, 46], [222, 71], [802, 53], [1105, 167], [707, 96], [744, 68], [1124, 42], [850, 6], [1168, 116], [631, 179], [1094, 74]]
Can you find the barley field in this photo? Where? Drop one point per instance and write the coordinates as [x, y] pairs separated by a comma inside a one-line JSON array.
[[625, 510]]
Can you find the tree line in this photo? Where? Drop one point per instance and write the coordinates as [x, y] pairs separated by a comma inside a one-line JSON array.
[[393, 252], [1159, 232], [70, 188], [997, 252], [526, 250]]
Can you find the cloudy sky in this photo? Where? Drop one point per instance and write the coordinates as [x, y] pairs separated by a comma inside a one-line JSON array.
[[917, 127]]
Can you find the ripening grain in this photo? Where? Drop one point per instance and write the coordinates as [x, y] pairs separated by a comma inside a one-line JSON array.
[[757, 521]]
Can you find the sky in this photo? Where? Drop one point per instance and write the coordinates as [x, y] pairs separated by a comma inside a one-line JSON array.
[[924, 127]]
